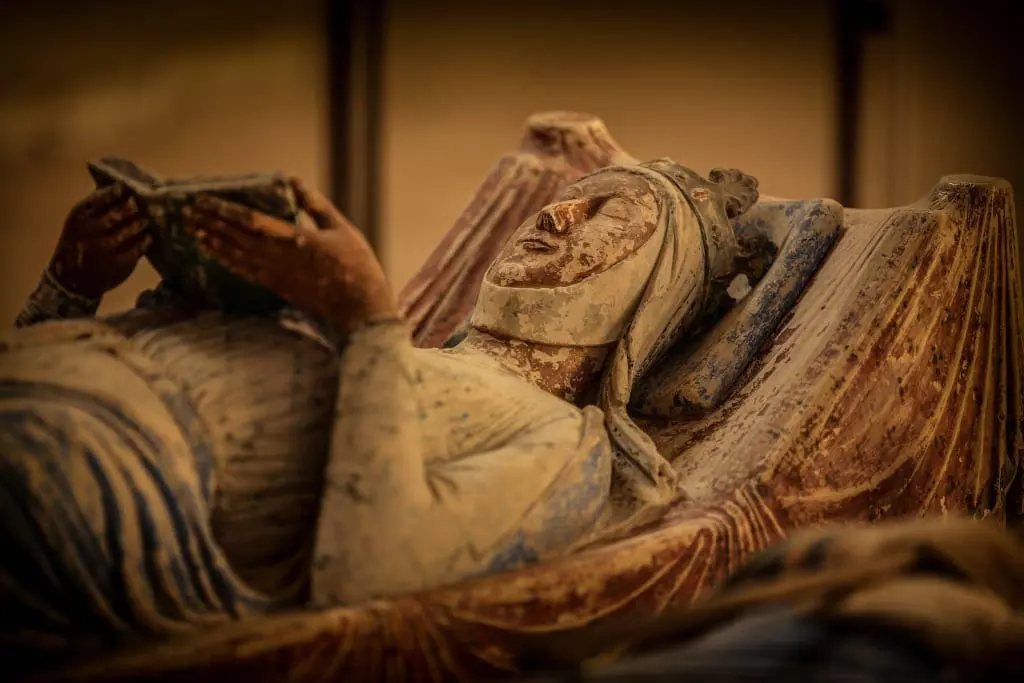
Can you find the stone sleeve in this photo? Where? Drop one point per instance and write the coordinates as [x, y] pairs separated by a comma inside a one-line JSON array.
[[394, 520], [50, 301]]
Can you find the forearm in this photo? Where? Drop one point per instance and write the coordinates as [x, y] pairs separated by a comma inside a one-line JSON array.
[[50, 301], [375, 471], [377, 440]]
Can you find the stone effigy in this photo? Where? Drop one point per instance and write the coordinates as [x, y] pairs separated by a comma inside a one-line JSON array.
[[748, 382]]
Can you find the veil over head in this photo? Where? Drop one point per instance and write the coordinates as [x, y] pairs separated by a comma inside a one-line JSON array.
[[640, 305], [698, 250]]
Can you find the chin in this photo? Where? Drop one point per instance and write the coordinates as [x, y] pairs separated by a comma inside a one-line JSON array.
[[508, 274]]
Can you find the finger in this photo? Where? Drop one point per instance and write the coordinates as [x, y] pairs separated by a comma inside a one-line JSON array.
[[230, 255], [225, 253], [196, 220], [228, 234], [268, 226], [228, 258], [118, 217], [320, 209], [243, 218], [190, 219], [102, 200], [221, 208], [129, 253], [127, 235], [138, 247]]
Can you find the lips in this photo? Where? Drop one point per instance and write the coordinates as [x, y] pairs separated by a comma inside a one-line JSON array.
[[538, 245]]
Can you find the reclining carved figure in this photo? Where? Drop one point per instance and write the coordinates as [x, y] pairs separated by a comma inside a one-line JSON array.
[[171, 469], [178, 473]]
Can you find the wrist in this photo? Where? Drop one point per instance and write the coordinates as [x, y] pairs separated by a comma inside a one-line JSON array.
[[349, 320], [63, 291], [337, 330], [50, 300], [64, 278], [382, 305]]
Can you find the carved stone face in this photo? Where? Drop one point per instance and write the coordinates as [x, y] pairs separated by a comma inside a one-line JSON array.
[[596, 223]]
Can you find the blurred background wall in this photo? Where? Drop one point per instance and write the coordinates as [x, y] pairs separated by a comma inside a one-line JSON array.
[[745, 84], [181, 87], [204, 87]]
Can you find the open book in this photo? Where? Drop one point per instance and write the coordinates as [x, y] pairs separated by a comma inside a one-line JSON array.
[[194, 278]]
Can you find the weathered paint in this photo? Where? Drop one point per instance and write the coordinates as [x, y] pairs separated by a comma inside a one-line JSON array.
[[871, 402]]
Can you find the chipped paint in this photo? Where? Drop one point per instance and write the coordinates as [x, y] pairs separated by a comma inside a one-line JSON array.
[[837, 419]]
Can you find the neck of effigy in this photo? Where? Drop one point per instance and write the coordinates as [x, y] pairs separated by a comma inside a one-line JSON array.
[[569, 372]]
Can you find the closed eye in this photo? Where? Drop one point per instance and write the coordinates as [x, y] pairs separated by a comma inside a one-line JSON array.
[[595, 204], [614, 209]]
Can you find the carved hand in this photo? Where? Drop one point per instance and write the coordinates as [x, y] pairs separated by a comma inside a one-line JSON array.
[[102, 241], [331, 272]]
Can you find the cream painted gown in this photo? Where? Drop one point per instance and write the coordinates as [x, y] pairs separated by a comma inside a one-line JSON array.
[[157, 477]]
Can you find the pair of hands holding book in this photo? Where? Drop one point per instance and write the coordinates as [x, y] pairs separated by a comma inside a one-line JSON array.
[[330, 272]]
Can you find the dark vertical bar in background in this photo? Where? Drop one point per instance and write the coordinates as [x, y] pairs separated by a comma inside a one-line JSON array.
[[338, 86], [854, 20], [355, 46], [848, 61]]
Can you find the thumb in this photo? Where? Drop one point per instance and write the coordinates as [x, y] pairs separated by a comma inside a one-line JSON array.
[[320, 209]]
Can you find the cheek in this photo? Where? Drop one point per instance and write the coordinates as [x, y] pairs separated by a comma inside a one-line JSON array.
[[601, 244], [507, 273]]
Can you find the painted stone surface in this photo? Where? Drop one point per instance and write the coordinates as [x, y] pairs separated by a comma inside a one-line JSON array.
[[871, 372]]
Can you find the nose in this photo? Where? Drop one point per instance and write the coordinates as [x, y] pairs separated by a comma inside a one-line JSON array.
[[559, 218]]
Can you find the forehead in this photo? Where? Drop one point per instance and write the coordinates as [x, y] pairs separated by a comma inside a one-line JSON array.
[[612, 182]]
